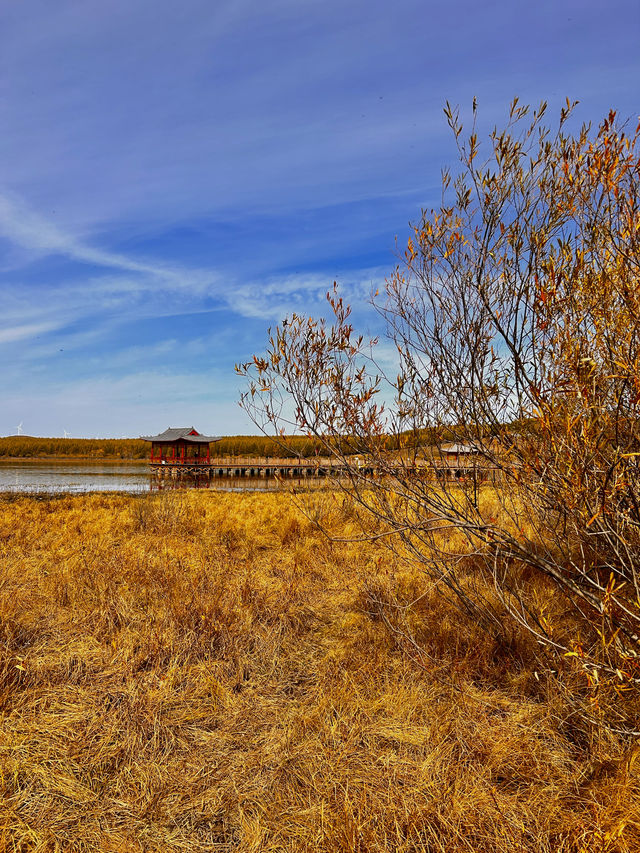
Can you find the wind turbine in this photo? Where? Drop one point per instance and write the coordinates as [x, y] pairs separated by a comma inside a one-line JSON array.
[[66, 434], [20, 427]]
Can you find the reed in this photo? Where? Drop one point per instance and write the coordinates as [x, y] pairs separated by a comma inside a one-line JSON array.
[[204, 671]]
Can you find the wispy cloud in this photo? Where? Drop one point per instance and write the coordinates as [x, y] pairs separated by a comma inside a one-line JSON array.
[[279, 297], [127, 283], [32, 231], [20, 333]]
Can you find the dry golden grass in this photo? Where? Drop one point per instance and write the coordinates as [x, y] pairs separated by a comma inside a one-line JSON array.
[[205, 672]]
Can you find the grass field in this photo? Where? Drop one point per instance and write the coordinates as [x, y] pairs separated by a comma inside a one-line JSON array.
[[205, 672]]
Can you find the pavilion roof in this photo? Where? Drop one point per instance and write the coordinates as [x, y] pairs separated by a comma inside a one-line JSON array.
[[461, 449], [189, 434]]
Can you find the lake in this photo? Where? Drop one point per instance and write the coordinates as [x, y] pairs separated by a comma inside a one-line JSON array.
[[56, 475], [82, 475]]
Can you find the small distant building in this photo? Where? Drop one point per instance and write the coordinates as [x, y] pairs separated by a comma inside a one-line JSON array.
[[460, 452], [180, 446], [463, 461]]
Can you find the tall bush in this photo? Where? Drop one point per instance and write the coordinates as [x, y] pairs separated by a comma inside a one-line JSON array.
[[515, 315]]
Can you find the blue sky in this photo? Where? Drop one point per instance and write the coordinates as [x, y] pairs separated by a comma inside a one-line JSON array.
[[177, 176]]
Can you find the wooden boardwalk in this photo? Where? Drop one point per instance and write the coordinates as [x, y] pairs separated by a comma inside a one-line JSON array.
[[316, 468], [246, 466]]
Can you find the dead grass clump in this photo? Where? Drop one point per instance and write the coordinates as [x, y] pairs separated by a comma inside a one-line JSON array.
[[205, 671]]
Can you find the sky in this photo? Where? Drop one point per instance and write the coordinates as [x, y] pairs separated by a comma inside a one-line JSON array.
[[177, 177]]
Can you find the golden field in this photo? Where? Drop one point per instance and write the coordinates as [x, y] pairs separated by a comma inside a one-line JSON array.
[[202, 671]]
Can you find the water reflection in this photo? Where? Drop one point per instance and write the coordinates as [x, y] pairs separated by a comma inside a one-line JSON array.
[[49, 476], [235, 484], [31, 475]]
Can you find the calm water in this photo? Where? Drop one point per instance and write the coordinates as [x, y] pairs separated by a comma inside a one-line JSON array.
[[53, 475]]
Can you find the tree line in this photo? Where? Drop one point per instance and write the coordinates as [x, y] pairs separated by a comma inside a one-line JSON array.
[[30, 447]]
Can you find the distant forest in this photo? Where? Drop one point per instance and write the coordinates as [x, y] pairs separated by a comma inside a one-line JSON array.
[[25, 446]]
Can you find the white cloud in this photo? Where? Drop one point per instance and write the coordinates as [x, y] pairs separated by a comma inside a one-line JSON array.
[[281, 296], [21, 333]]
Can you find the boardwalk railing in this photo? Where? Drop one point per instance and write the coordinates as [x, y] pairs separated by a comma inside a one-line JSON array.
[[247, 466], [263, 466]]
